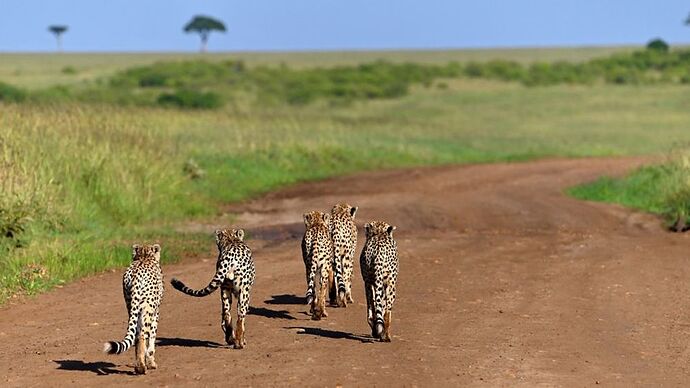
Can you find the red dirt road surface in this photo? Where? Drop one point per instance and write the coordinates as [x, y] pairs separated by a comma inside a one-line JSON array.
[[504, 281]]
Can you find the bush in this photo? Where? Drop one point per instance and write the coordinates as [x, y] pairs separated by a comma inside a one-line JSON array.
[[69, 70], [191, 99], [177, 83], [658, 45], [375, 80], [188, 74], [13, 221], [496, 69], [474, 70], [53, 93], [621, 75], [11, 94]]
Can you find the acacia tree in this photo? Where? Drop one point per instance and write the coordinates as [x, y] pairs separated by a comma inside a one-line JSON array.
[[58, 31], [204, 25]]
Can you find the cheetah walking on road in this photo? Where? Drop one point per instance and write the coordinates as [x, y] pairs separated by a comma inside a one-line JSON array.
[[379, 265], [235, 275], [317, 253], [344, 235], [142, 285]]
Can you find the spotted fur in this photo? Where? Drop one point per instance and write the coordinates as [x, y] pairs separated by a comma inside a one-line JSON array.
[[235, 275], [344, 235], [142, 285], [379, 265], [317, 252]]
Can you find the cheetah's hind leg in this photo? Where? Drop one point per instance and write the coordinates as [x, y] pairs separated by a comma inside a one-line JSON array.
[[386, 337], [332, 289], [226, 316]]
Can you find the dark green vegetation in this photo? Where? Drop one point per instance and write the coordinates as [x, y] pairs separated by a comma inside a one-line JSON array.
[[10, 93], [658, 45], [656, 64], [38, 71], [207, 85]]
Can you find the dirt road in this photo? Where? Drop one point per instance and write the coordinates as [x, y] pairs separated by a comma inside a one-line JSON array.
[[504, 281]]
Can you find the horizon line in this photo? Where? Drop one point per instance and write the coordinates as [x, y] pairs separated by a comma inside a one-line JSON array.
[[349, 49]]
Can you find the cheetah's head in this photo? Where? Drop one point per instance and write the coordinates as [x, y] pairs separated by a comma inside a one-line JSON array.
[[140, 252], [344, 209], [315, 218], [374, 228], [228, 236]]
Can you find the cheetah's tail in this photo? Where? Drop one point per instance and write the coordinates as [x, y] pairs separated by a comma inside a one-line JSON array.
[[133, 327], [180, 286]]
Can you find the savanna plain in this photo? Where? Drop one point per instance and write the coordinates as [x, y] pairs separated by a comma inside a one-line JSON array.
[[486, 161]]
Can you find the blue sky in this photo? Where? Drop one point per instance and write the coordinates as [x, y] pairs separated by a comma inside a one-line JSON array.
[[156, 25]]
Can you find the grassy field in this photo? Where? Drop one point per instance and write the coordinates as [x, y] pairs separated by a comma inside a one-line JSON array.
[[80, 182], [42, 70]]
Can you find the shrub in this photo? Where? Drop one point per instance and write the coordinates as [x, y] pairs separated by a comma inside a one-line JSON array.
[[474, 70], [11, 94], [442, 85], [187, 74], [69, 70], [496, 69], [13, 221], [190, 99], [53, 93], [621, 75]]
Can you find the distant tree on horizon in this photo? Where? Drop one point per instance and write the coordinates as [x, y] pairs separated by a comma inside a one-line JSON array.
[[204, 25], [58, 30], [658, 44]]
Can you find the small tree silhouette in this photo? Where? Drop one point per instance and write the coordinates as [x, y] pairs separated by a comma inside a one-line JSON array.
[[658, 45], [204, 25], [58, 31]]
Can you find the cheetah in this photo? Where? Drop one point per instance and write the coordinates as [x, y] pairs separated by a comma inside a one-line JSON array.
[[379, 265], [344, 235], [317, 252], [142, 285], [235, 275]]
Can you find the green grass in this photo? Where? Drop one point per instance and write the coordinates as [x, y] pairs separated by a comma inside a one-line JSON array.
[[55, 259], [662, 189], [79, 183], [638, 190]]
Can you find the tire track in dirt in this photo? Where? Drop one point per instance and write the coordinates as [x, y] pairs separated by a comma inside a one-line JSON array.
[[504, 281]]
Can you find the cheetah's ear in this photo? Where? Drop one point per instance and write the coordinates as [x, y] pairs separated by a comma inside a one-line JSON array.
[[367, 229], [219, 234], [390, 230], [353, 210], [239, 233], [156, 248], [135, 249], [326, 218]]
